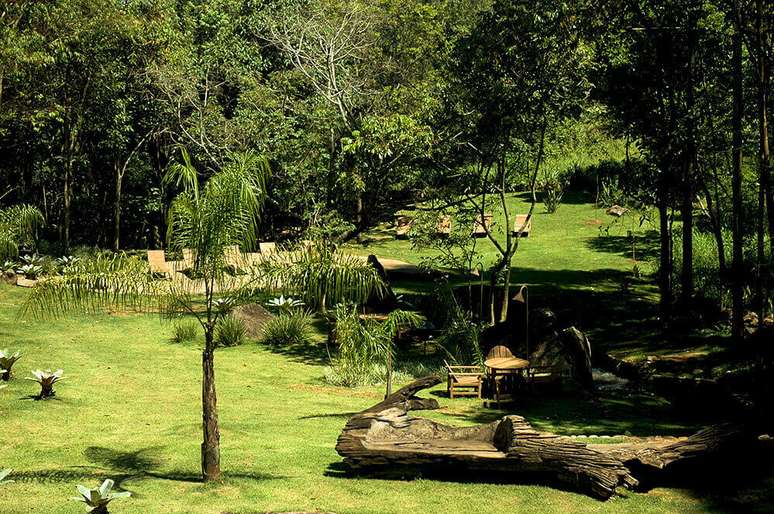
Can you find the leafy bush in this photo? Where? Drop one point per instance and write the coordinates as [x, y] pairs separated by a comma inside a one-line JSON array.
[[31, 271], [288, 328], [97, 500], [46, 379], [184, 331], [230, 331], [553, 184], [7, 360]]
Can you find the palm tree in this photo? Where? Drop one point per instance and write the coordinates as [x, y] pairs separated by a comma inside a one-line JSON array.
[[207, 219], [322, 275], [18, 224]]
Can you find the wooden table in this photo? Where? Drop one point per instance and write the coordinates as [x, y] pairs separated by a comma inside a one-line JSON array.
[[504, 367]]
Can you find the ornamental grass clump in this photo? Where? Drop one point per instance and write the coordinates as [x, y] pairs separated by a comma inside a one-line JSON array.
[[230, 331], [287, 329], [184, 331], [7, 360], [96, 500], [46, 379]]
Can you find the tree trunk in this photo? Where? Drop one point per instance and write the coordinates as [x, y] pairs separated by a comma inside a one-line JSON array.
[[506, 293], [665, 256], [686, 208], [737, 285], [763, 122], [117, 209], [211, 442], [384, 437]]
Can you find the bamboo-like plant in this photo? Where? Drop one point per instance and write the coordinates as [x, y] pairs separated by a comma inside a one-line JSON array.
[[7, 360], [364, 342], [18, 224], [46, 379], [322, 275], [206, 218], [96, 500]]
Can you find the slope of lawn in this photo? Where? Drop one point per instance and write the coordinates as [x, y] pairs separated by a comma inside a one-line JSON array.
[[130, 410]]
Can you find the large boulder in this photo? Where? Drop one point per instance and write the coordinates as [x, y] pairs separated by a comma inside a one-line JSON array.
[[564, 351], [253, 316], [9, 277]]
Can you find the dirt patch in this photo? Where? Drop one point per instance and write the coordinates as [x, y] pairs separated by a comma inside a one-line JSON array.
[[593, 223], [253, 316], [338, 391]]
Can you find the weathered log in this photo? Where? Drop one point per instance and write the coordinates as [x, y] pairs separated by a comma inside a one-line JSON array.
[[386, 437]]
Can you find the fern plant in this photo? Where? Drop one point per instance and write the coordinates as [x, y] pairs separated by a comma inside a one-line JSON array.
[[7, 360], [46, 379], [96, 500]]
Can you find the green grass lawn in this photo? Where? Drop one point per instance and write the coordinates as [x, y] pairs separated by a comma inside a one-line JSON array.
[[130, 410]]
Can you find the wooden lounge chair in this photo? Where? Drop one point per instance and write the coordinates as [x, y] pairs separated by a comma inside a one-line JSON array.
[[522, 224], [443, 228], [158, 264], [463, 380], [232, 255], [479, 228], [539, 376], [403, 226], [266, 248]]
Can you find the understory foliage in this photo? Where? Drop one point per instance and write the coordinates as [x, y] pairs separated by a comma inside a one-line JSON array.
[[18, 225], [366, 349], [184, 331], [230, 331], [321, 275], [288, 329]]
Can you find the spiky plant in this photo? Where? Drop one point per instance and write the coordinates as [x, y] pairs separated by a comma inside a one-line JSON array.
[[284, 305], [7, 360], [322, 275], [207, 219], [46, 379], [96, 500], [18, 224]]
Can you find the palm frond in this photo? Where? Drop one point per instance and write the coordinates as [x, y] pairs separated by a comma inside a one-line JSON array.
[[18, 224], [93, 285]]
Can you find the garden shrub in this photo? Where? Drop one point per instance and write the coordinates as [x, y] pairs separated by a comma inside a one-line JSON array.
[[288, 328], [184, 331], [230, 331]]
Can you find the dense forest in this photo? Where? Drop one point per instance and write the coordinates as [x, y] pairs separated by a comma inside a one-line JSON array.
[[363, 107]]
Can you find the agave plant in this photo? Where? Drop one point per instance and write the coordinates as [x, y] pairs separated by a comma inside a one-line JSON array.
[[31, 271], [284, 305], [96, 500], [46, 379], [4, 473], [7, 360], [67, 263], [33, 259]]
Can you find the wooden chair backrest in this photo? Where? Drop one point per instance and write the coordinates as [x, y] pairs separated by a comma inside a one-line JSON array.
[[522, 221], [189, 256], [233, 256], [499, 351], [267, 247], [444, 225], [157, 261]]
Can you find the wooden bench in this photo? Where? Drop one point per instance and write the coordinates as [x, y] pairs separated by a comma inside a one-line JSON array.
[[463, 380], [480, 227], [522, 225]]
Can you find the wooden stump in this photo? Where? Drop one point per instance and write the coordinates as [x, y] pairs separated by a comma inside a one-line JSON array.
[[386, 437]]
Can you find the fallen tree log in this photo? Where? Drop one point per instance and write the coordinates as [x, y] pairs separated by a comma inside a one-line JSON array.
[[386, 437]]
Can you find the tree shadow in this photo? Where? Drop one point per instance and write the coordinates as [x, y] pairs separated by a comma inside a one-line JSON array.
[[646, 246]]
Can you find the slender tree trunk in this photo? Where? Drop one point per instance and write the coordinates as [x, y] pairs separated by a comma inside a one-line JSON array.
[[117, 209], [686, 208], [211, 442], [737, 292], [66, 201], [763, 122], [665, 256]]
